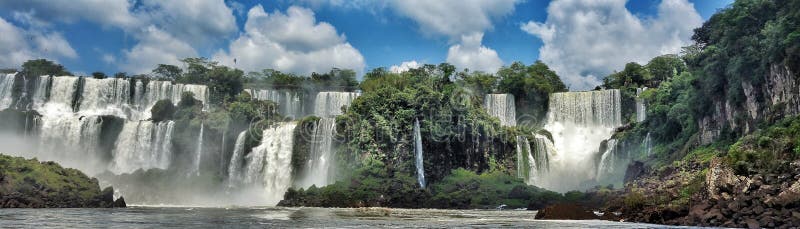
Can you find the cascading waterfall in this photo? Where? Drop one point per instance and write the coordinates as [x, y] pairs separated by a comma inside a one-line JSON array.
[[147, 96], [290, 102], [40, 92], [524, 163], [319, 169], [71, 140], [539, 157], [641, 107], [502, 107], [418, 154], [329, 104], [606, 165], [62, 92], [578, 122], [6, 88], [143, 145], [235, 165], [199, 151], [269, 164], [108, 96], [648, 145]]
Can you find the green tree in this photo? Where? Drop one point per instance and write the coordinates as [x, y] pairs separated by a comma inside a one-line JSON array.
[[41, 67], [99, 75], [162, 110], [166, 71]]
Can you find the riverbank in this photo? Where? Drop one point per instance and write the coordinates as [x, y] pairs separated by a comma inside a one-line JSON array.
[[28, 183]]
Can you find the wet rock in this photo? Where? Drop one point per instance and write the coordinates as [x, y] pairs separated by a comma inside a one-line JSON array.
[[120, 203], [635, 170], [787, 196]]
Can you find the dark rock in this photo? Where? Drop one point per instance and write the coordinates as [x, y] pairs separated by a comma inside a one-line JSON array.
[[635, 170], [565, 212], [752, 224], [712, 215], [758, 210], [120, 203]]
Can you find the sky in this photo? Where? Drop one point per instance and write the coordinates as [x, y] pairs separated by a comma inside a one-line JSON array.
[[582, 40]]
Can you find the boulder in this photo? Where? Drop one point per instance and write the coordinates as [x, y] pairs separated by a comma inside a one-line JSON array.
[[120, 203], [787, 196], [720, 180]]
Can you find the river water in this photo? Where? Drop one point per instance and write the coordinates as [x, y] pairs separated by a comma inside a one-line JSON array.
[[193, 217]]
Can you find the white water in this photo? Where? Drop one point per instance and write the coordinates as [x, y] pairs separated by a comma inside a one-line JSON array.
[[143, 145], [523, 152], [6, 88], [108, 96], [146, 97], [502, 107], [62, 92], [269, 164], [578, 122], [641, 107], [648, 145], [72, 141], [235, 166], [319, 169], [198, 153], [290, 103], [40, 92], [419, 162], [606, 166], [329, 104]]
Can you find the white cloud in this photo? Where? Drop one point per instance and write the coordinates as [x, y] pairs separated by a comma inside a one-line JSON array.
[[109, 59], [587, 39], [474, 56], [454, 18], [155, 47], [405, 66], [198, 22], [18, 45], [103, 12], [291, 42]]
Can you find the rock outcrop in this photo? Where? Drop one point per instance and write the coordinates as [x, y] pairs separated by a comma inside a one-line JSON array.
[[28, 183]]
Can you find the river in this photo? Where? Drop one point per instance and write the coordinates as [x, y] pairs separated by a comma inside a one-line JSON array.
[[271, 217]]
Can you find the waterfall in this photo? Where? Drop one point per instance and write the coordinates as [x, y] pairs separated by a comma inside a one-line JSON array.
[[641, 107], [108, 96], [40, 92], [143, 145], [71, 140], [62, 92], [329, 104], [290, 103], [199, 151], [606, 165], [578, 122], [502, 107], [319, 169], [235, 166], [147, 96], [524, 164], [269, 165], [6, 88], [648, 145], [418, 154]]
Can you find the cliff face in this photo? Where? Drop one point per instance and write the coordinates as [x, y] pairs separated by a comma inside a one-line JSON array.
[[777, 97], [32, 184]]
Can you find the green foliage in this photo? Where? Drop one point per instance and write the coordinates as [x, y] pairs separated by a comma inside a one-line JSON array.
[[162, 110], [766, 149], [634, 75], [47, 184], [531, 87], [168, 72], [41, 67], [99, 75]]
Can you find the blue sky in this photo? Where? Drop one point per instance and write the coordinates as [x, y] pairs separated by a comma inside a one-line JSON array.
[[130, 36]]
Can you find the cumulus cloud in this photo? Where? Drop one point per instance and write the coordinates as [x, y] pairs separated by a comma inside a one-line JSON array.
[[155, 47], [405, 66], [474, 56], [585, 40], [293, 42], [195, 21], [454, 18], [104, 12], [18, 45]]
